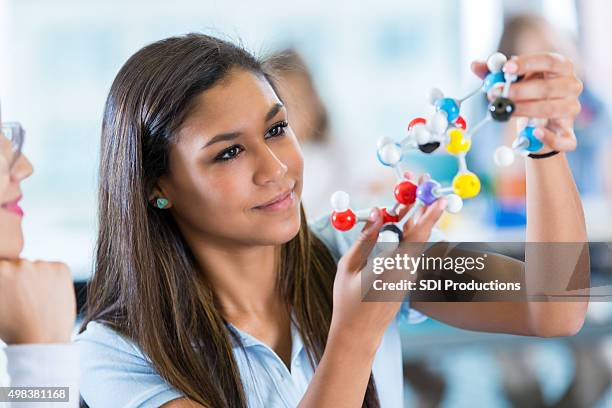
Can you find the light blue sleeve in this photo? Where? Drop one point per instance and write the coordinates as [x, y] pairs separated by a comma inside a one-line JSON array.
[[115, 373], [339, 242]]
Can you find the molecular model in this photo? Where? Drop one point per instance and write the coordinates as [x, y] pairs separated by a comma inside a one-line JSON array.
[[447, 128]]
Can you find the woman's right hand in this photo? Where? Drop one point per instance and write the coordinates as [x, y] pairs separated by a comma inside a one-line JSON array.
[[353, 318], [37, 302]]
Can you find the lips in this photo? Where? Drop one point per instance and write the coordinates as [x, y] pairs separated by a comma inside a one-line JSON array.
[[13, 207], [280, 202]]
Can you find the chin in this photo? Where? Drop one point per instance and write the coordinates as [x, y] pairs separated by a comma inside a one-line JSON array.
[[291, 231], [279, 232], [11, 245]]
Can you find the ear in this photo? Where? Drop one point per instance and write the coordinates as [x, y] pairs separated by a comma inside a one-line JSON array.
[[158, 198]]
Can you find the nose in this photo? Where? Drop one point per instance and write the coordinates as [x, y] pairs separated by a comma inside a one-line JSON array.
[[270, 168], [22, 169]]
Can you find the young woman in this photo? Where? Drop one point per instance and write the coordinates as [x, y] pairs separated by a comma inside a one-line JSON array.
[[37, 302], [211, 290]]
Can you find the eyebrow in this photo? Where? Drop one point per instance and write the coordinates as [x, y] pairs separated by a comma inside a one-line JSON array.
[[233, 135]]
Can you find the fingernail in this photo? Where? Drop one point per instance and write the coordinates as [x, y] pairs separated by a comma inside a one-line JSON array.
[[373, 215], [443, 202], [510, 67], [539, 133], [495, 92]]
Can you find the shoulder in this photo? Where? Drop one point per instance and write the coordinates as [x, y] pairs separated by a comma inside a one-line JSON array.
[[99, 334], [338, 242], [115, 372]]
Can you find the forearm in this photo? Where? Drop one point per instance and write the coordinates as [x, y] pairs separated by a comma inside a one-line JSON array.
[[554, 209], [557, 264], [342, 375]]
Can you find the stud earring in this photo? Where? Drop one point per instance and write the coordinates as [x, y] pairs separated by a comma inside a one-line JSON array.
[[161, 203]]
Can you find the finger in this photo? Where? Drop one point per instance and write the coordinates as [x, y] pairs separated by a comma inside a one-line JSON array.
[[432, 214], [408, 175], [550, 109], [480, 69], [413, 220], [356, 257], [545, 88], [563, 140], [419, 230], [424, 177], [540, 62], [408, 226], [419, 213], [403, 210]]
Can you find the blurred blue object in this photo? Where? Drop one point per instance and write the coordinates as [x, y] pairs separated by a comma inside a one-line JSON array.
[[509, 213]]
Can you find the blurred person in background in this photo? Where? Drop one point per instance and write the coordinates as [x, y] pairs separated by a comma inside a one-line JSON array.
[[590, 164], [326, 165], [527, 34], [310, 121], [37, 301]]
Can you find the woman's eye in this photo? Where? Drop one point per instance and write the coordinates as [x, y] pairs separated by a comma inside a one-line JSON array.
[[277, 129], [229, 153]]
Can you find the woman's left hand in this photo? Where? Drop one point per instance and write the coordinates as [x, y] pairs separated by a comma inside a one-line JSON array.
[[549, 90]]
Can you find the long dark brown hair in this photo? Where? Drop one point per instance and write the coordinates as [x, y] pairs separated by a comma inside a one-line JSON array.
[[146, 284]]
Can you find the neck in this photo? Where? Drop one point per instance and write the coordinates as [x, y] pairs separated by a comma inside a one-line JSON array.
[[244, 278]]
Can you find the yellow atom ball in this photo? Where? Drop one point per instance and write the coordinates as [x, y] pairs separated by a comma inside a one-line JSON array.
[[457, 143], [466, 185]]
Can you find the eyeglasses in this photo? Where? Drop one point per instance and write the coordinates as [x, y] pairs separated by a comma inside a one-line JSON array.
[[14, 132]]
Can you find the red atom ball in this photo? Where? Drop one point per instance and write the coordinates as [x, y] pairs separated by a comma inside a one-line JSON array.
[[388, 217], [460, 122], [405, 192], [416, 121], [343, 220]]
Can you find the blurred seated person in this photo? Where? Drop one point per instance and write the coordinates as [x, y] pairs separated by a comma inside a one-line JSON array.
[[326, 167], [527, 34], [37, 301]]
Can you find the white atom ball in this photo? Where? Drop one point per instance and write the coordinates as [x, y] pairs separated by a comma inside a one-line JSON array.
[[504, 156], [383, 141], [496, 62], [434, 94], [454, 203], [421, 134], [340, 201], [390, 154], [438, 123], [388, 236]]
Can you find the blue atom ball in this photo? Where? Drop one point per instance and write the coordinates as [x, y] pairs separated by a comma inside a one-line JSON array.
[[425, 191], [450, 106], [534, 143], [492, 79]]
